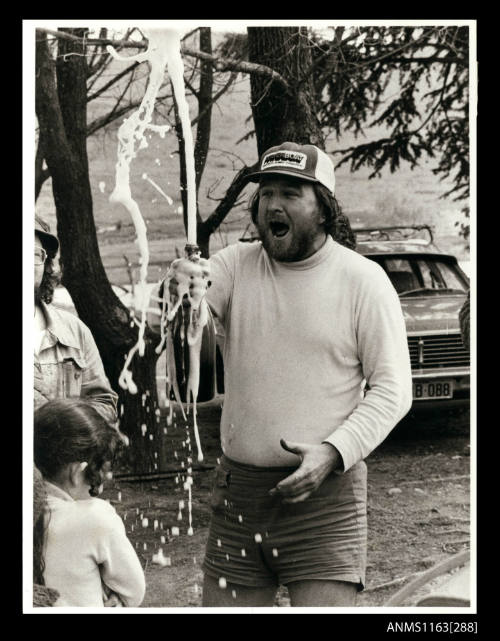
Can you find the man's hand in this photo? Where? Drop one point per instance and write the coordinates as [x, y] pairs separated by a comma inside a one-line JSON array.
[[317, 462], [173, 292]]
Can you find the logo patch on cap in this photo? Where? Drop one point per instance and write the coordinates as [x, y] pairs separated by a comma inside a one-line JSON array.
[[277, 159]]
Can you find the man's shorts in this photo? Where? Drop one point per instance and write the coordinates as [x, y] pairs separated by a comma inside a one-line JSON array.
[[256, 540]]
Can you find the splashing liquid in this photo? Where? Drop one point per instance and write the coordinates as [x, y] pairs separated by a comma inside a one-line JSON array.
[[191, 273], [188, 278], [131, 138]]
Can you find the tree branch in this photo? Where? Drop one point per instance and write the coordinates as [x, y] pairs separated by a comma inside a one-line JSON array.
[[216, 97], [191, 88], [94, 74], [205, 102], [220, 64], [424, 60], [334, 48], [108, 118], [118, 101], [224, 207], [225, 64], [113, 80], [142, 44], [103, 32], [101, 122], [391, 52]]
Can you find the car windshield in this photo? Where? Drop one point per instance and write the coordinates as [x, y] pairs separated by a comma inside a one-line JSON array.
[[422, 275]]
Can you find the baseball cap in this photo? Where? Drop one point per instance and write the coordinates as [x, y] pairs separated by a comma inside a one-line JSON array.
[[49, 241], [301, 161]]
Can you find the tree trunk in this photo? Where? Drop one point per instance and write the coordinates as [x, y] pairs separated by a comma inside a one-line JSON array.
[[61, 112], [280, 116], [41, 174], [204, 106], [201, 142], [288, 116]]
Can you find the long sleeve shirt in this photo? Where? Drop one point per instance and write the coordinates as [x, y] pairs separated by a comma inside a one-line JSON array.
[[302, 341], [68, 364], [86, 546]]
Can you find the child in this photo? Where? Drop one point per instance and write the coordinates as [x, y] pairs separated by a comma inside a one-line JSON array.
[[86, 555]]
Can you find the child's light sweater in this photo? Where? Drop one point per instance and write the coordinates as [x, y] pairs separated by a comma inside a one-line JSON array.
[[86, 546]]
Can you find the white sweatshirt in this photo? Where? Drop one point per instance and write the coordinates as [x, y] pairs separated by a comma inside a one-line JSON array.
[[87, 546], [302, 338]]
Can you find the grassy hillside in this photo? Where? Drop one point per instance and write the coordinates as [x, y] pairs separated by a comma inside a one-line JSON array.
[[403, 197]]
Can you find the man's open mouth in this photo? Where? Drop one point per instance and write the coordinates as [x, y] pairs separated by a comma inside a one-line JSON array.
[[279, 229]]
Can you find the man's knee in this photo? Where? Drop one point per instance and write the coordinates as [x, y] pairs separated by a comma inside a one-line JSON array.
[[322, 593], [225, 594]]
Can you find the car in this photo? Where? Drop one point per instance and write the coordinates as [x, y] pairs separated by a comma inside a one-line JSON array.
[[432, 287]]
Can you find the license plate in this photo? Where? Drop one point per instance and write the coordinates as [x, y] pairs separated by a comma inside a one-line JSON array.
[[432, 390]]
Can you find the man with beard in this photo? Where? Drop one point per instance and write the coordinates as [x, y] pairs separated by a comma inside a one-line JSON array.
[[317, 373], [67, 362]]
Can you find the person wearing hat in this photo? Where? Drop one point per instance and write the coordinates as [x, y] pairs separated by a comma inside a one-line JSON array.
[[67, 362], [317, 373]]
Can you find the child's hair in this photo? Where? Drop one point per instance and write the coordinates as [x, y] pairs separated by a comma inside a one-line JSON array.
[[69, 431], [39, 512]]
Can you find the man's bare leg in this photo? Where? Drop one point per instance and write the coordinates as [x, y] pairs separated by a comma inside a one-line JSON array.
[[322, 593], [236, 595]]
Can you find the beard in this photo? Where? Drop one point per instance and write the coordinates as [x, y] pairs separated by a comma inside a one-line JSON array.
[[297, 245], [44, 288]]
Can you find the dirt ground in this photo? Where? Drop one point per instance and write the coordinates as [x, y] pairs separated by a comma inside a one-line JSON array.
[[418, 509]]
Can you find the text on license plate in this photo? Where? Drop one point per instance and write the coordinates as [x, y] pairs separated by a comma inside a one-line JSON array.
[[437, 389]]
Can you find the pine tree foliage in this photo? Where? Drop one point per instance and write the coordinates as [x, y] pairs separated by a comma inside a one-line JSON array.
[[411, 81], [426, 117]]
